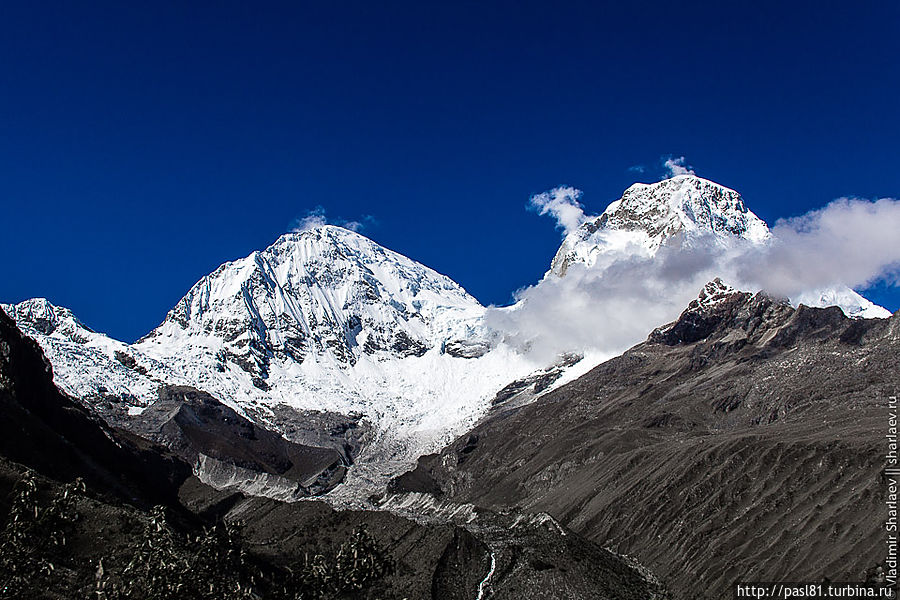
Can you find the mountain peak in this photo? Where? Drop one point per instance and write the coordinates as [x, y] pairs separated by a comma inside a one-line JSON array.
[[45, 317], [714, 292], [684, 204], [682, 209], [317, 232], [295, 319]]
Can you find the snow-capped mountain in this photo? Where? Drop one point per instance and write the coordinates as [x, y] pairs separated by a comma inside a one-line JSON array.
[[327, 319], [87, 364], [327, 293], [683, 211], [324, 319]]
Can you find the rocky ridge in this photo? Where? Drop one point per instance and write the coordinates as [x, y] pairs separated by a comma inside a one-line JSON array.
[[744, 440]]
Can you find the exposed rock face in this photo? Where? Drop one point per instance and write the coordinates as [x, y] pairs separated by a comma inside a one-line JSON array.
[[526, 389], [44, 429], [467, 348], [345, 434], [744, 441], [230, 451]]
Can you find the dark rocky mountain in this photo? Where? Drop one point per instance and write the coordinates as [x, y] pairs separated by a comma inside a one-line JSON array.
[[744, 441], [48, 431], [230, 451], [105, 542]]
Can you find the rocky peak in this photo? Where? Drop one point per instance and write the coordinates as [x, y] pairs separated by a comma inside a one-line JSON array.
[[714, 292], [685, 209], [685, 203], [716, 306], [726, 319], [42, 316]]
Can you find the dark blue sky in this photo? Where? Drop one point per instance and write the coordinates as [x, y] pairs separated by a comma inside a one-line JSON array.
[[143, 144]]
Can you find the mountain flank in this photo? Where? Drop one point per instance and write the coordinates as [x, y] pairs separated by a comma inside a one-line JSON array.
[[89, 511], [743, 441]]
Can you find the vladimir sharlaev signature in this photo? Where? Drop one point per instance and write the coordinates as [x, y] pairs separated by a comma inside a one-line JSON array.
[[892, 475]]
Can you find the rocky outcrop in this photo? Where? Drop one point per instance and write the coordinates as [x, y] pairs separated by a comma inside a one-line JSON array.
[[231, 451], [744, 441], [44, 429]]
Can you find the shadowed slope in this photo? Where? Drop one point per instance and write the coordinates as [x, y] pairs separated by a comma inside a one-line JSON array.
[[743, 441]]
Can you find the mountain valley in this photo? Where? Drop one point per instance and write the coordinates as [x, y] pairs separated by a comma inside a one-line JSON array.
[[327, 393]]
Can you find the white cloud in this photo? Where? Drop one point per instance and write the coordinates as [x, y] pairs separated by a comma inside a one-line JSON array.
[[675, 166], [606, 308], [850, 242], [563, 205], [615, 304], [316, 218]]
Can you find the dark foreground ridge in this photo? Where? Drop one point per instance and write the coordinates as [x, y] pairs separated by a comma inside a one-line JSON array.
[[144, 527], [47, 431], [227, 447], [745, 441]]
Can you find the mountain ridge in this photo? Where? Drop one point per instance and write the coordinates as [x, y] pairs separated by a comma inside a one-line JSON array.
[[742, 441], [328, 320]]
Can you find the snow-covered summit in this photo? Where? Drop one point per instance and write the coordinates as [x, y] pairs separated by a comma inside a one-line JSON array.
[[327, 292], [42, 316], [685, 209], [682, 212], [685, 203]]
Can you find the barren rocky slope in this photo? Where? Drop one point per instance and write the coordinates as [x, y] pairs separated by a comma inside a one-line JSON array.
[[46, 430], [284, 551], [745, 441]]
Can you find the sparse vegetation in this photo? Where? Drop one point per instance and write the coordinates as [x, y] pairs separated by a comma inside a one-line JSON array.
[[359, 565], [35, 535], [168, 565], [162, 563], [213, 565]]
